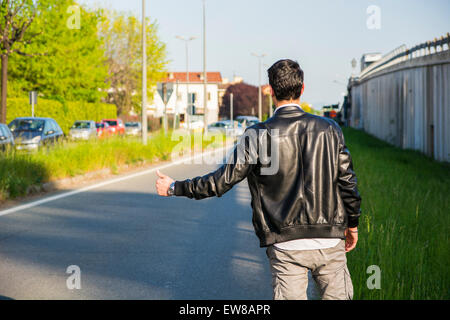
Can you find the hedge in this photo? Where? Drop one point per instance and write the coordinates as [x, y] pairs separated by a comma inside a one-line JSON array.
[[64, 113]]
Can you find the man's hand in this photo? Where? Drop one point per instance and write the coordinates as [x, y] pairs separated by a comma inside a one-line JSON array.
[[351, 238], [163, 183]]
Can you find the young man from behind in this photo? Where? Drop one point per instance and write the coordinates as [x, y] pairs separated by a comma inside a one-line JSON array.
[[305, 200]]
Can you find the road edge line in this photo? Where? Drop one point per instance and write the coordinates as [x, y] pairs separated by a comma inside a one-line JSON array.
[[105, 183]]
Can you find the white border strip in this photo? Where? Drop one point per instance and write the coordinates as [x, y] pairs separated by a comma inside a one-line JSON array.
[[95, 186]]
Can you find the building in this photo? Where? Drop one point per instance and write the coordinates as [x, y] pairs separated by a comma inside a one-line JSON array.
[[368, 58], [178, 101]]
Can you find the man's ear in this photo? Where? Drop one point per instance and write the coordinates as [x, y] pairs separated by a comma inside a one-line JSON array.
[[303, 89]]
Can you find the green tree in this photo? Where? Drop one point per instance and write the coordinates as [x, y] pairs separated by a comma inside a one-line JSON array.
[[71, 64], [16, 17], [122, 38]]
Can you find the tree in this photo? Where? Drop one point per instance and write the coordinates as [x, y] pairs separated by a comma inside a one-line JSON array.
[[122, 43], [16, 16], [71, 64], [245, 101]]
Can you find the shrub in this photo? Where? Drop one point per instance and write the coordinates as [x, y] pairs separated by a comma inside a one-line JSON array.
[[65, 113]]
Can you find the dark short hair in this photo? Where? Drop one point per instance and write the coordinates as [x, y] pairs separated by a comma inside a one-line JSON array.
[[286, 79]]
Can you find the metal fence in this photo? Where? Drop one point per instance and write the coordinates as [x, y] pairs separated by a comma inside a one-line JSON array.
[[402, 53], [404, 98]]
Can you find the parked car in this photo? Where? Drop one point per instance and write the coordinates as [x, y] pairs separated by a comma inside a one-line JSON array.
[[226, 127], [247, 121], [193, 125], [32, 133], [116, 126], [103, 129], [133, 128], [6, 138], [83, 130]]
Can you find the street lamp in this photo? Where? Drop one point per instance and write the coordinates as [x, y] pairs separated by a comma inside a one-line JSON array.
[[205, 98], [260, 57], [339, 82], [186, 41], [270, 99], [144, 78]]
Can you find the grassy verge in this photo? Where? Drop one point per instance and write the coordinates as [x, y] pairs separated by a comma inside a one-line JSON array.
[[404, 228], [21, 172]]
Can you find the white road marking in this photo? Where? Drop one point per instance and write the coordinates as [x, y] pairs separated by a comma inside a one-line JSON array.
[[112, 181]]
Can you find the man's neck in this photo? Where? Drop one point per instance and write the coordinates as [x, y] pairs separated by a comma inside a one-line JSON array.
[[287, 102]]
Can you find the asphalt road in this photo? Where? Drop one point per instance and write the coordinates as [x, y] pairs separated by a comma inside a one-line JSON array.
[[131, 244]]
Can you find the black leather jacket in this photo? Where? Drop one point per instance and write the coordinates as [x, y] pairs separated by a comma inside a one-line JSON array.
[[311, 191]]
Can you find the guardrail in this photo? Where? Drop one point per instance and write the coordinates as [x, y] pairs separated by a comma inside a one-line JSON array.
[[402, 53]]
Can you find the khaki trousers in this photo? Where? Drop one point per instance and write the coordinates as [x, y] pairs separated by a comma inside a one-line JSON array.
[[328, 267]]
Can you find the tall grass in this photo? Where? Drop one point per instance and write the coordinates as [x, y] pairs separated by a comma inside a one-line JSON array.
[[21, 172], [404, 226]]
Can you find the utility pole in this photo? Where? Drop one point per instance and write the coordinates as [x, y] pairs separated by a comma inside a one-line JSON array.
[[165, 109], [260, 57], [144, 78], [231, 109], [205, 81], [270, 98], [271, 105], [175, 109], [188, 117]]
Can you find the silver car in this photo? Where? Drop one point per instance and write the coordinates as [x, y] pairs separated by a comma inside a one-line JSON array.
[[227, 127], [133, 128], [247, 121], [30, 134], [6, 138], [83, 130]]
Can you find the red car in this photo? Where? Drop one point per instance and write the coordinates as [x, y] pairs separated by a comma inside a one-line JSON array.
[[116, 126], [103, 129]]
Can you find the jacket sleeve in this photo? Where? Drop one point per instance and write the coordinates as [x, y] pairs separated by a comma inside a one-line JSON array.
[[236, 168], [347, 183]]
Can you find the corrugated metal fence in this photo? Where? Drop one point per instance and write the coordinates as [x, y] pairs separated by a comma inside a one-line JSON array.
[[406, 102]]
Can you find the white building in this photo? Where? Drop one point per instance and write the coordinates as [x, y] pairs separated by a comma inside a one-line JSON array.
[[178, 101]]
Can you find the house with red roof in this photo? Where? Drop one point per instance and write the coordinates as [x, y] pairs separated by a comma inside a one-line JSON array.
[[187, 97]]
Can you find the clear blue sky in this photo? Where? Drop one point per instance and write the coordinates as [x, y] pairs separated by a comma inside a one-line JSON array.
[[322, 35]]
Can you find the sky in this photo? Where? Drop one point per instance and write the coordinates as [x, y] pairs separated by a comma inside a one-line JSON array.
[[323, 36]]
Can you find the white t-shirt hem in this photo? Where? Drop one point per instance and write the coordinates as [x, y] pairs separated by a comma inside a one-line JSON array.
[[308, 244]]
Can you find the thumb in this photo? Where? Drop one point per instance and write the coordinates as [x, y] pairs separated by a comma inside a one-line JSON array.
[[161, 175]]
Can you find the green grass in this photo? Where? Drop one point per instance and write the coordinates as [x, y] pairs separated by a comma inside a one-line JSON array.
[[404, 226], [21, 171]]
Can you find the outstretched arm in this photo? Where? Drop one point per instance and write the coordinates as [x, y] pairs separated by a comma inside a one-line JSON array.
[[216, 183]]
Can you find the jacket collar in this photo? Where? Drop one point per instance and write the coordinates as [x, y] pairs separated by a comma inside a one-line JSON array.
[[288, 109]]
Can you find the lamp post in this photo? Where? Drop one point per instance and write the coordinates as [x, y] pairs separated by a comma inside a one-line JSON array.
[[205, 98], [231, 109], [339, 82], [270, 99], [144, 78], [175, 109], [186, 41], [260, 57]]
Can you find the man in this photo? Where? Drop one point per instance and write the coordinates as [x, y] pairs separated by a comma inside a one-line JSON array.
[[304, 210]]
